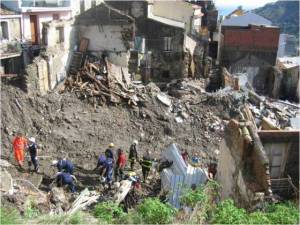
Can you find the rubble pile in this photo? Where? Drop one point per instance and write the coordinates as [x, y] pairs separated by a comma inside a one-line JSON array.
[[103, 82], [272, 114]]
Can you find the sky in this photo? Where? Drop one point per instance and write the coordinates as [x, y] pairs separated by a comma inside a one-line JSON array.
[[226, 6]]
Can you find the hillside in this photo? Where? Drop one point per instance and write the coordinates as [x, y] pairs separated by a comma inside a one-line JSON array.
[[284, 14]]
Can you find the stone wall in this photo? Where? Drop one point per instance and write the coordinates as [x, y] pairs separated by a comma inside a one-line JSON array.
[[242, 168], [36, 77], [46, 72]]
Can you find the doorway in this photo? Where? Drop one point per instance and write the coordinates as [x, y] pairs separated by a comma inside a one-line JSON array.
[[33, 29]]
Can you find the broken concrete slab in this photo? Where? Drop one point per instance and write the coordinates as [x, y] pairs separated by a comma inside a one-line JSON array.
[[5, 163], [268, 124], [85, 199], [6, 184], [57, 196], [125, 186], [163, 98]]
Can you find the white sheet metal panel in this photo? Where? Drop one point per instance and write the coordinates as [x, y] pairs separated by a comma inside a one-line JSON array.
[[176, 190], [172, 154], [166, 177], [179, 175], [195, 176]]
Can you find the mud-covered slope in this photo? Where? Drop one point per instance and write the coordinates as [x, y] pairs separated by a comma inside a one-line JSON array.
[[67, 126]]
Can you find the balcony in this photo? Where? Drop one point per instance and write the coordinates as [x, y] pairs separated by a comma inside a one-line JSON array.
[[10, 49], [46, 3]]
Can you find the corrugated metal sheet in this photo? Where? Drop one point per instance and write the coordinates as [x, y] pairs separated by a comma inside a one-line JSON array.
[[179, 176]]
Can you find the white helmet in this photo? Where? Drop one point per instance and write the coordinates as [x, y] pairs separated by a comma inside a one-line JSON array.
[[135, 142], [32, 139], [54, 162]]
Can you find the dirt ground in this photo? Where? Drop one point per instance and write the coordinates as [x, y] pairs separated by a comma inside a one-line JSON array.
[[70, 127]]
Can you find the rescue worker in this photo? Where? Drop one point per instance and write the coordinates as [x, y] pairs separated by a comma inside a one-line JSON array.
[[100, 163], [63, 178], [33, 152], [146, 164], [133, 156], [212, 170], [109, 152], [19, 146], [107, 172], [185, 156], [64, 165], [121, 162]]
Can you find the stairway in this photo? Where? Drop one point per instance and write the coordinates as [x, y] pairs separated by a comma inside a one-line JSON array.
[[76, 62]]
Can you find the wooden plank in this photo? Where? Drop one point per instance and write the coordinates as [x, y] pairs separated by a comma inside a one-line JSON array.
[[84, 43], [8, 75]]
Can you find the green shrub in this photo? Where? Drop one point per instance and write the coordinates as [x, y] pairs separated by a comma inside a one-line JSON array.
[[152, 211], [31, 209], [192, 197], [108, 211], [282, 213], [132, 217], [76, 218], [9, 216], [228, 213]]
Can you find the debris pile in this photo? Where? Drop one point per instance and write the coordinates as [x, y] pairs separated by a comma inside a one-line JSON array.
[[103, 82], [272, 114]]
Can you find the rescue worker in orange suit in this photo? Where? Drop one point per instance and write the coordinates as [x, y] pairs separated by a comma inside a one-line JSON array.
[[19, 146], [121, 162]]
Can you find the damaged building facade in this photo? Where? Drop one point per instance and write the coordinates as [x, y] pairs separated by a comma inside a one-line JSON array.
[[250, 50], [110, 33], [10, 46], [168, 42], [257, 165]]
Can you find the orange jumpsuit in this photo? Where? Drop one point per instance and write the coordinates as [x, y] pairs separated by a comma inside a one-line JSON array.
[[19, 145]]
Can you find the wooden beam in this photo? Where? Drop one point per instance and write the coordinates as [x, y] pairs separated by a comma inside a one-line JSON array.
[[279, 135]]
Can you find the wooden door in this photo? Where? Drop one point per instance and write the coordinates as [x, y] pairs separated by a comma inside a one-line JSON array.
[[33, 29]]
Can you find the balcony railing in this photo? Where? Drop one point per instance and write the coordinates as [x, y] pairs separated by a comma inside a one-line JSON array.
[[46, 3], [9, 48]]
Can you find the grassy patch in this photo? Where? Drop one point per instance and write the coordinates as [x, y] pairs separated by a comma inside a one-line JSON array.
[[9, 216]]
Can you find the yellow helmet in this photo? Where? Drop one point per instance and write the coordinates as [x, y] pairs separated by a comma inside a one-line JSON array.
[[111, 145]]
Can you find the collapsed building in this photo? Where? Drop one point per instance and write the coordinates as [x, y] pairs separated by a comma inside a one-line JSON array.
[[251, 50], [258, 165], [106, 44]]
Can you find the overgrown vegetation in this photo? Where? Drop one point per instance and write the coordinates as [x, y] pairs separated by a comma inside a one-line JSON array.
[[76, 218], [153, 211], [282, 213], [201, 201], [109, 212], [31, 209], [8, 216]]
